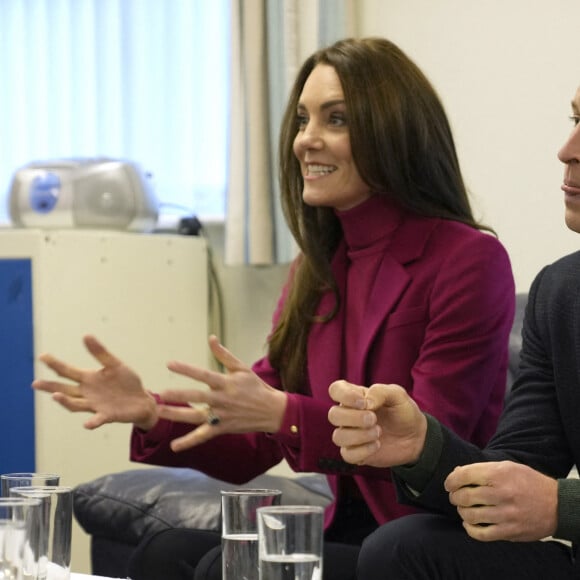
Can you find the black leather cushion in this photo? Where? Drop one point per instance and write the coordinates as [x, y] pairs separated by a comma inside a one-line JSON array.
[[130, 505]]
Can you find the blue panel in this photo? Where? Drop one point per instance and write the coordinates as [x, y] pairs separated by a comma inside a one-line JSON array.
[[17, 364]]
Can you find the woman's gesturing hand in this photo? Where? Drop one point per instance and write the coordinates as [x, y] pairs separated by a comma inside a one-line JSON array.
[[238, 399], [380, 426], [113, 393]]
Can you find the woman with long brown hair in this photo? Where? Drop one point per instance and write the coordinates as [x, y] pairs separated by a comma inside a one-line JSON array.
[[395, 282]]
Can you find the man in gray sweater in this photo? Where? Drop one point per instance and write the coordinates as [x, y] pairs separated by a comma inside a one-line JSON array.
[[501, 512]]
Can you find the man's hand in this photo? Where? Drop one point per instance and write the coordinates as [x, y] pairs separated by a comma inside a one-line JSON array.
[[380, 426], [504, 501]]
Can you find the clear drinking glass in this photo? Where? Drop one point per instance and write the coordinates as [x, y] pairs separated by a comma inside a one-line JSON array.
[[290, 542], [20, 522], [240, 531], [8, 480], [56, 528]]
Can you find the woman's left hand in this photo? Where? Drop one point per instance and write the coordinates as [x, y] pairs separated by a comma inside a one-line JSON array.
[[238, 399]]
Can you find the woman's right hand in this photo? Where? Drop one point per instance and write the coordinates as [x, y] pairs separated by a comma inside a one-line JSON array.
[[380, 426], [113, 393]]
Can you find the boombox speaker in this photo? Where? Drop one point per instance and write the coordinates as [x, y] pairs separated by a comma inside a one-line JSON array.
[[83, 193]]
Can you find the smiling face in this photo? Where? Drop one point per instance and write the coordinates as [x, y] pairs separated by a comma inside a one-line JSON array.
[[322, 144], [570, 155]]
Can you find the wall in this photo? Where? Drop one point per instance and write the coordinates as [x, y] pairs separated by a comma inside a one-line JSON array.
[[506, 72]]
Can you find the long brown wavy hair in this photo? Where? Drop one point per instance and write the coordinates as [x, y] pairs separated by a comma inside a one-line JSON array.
[[403, 148]]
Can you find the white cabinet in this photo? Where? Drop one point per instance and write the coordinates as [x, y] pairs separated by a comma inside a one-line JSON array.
[[144, 295]]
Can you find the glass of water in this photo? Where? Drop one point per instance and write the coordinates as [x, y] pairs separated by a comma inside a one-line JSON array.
[[240, 530], [20, 520], [290, 542], [8, 480], [54, 550]]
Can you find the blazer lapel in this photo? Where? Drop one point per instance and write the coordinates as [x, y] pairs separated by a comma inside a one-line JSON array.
[[392, 279], [325, 343], [390, 283]]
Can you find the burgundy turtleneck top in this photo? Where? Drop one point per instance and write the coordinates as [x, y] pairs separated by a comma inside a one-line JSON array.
[[367, 230]]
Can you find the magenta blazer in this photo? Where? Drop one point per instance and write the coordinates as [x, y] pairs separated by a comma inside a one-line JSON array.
[[437, 323]]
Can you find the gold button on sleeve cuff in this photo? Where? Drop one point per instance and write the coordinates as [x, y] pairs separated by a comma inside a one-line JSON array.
[[293, 429]]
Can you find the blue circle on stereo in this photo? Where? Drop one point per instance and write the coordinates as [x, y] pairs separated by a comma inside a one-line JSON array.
[[44, 192]]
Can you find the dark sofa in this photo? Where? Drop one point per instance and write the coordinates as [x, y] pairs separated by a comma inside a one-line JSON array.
[[119, 509]]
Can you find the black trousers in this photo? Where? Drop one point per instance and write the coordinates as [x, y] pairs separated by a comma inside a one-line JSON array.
[[188, 554], [432, 547]]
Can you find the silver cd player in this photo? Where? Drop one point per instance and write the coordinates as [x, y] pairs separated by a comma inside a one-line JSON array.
[[83, 193]]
